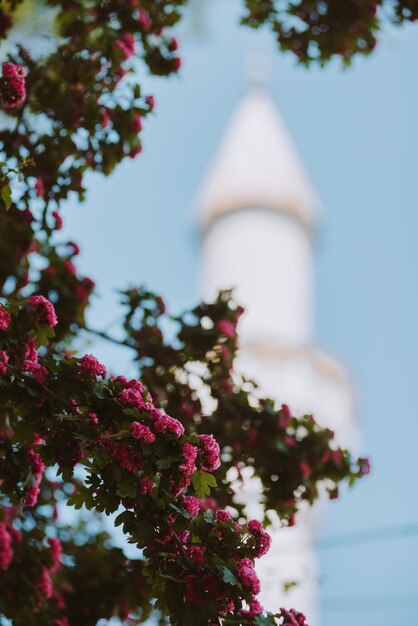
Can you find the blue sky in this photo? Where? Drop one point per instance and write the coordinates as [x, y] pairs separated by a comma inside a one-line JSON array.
[[357, 132]]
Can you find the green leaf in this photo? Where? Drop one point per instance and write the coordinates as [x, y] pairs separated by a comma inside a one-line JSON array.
[[208, 516], [6, 195], [202, 482], [43, 336], [228, 577]]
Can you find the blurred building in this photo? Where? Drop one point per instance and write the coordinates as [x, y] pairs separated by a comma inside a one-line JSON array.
[[257, 212]]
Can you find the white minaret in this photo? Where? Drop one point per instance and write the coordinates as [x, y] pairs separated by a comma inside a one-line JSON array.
[[257, 210]]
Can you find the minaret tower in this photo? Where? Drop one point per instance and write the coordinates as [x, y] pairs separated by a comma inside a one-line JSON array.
[[257, 211]]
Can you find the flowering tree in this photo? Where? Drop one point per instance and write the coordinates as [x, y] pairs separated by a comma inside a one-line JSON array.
[[148, 450]]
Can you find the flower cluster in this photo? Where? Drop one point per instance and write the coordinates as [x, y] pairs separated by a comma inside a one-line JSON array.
[[293, 618], [92, 366], [6, 550], [12, 85], [209, 453], [45, 311], [260, 540], [132, 452], [5, 318]]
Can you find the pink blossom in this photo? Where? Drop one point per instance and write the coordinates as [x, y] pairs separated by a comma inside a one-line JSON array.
[[12, 85], [247, 575], [32, 494], [305, 470], [40, 373], [127, 457], [261, 541], [58, 220], [92, 366], [6, 552], [45, 583], [191, 504], [293, 618], [190, 453], [40, 188], [226, 328], [5, 318], [3, 362], [209, 453], [164, 422], [94, 418], [45, 312], [285, 416], [131, 397], [56, 553], [150, 101], [196, 553], [142, 432], [223, 516], [136, 124], [146, 485], [254, 610], [126, 45], [144, 20]]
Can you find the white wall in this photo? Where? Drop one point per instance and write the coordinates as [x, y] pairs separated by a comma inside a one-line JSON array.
[[266, 255]]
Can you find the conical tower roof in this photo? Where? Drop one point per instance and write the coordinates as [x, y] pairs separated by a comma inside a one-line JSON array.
[[257, 165]]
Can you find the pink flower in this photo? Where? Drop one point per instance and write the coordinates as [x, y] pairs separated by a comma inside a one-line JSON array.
[[223, 516], [196, 553], [260, 540], [173, 45], [45, 583], [92, 366], [5, 318], [285, 416], [127, 457], [6, 552], [45, 312], [40, 373], [94, 418], [136, 124], [144, 20], [209, 453], [142, 432], [191, 504], [305, 470], [176, 63], [132, 397], [56, 553], [254, 610], [12, 85], [58, 220], [146, 485], [165, 422], [40, 188], [32, 495], [293, 618], [247, 575], [126, 45], [3, 362], [150, 101], [15, 534], [226, 328]]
